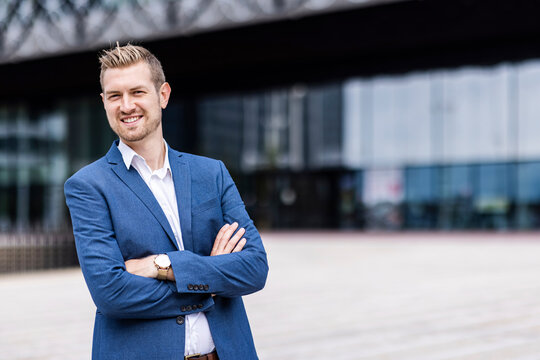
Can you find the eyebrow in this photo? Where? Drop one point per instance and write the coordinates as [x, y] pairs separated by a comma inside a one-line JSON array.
[[139, 87]]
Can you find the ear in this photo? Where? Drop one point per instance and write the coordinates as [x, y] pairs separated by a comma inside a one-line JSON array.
[[164, 94], [102, 98]]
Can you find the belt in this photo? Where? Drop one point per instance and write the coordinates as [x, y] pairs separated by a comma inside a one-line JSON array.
[[211, 356]]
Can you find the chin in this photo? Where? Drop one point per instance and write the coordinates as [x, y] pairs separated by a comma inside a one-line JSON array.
[[132, 138]]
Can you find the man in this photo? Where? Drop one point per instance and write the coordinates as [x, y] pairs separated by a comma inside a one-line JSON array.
[[164, 242]]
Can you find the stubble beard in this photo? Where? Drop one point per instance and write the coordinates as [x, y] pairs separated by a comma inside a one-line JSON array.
[[139, 134]]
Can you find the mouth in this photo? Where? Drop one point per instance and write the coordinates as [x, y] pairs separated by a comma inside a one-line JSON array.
[[131, 120]]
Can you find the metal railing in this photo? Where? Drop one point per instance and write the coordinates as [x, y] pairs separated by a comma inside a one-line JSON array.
[[36, 251]]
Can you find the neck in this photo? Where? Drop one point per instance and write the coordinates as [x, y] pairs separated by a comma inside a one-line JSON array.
[[152, 149]]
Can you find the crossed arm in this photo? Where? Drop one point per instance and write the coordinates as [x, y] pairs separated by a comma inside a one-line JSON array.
[[226, 242], [119, 293]]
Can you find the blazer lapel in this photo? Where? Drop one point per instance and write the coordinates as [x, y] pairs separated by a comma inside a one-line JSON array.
[[182, 186], [134, 181]]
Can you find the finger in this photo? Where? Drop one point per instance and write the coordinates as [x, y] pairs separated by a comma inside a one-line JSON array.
[[240, 245], [233, 241], [218, 239], [226, 237]]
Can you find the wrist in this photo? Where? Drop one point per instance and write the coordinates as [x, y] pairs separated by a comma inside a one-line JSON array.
[[153, 268], [162, 266]]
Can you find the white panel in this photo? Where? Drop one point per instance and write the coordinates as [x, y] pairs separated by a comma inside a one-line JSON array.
[[386, 135], [476, 115], [402, 120], [529, 110], [413, 119], [355, 119]]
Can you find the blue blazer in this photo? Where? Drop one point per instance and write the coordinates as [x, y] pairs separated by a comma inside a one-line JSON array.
[[116, 217]]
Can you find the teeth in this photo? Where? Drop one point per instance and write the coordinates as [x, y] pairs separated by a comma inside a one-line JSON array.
[[131, 119]]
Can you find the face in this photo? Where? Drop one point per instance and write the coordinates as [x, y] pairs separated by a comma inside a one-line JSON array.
[[132, 103]]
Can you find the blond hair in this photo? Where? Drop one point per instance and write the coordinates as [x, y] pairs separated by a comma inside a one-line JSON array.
[[123, 56]]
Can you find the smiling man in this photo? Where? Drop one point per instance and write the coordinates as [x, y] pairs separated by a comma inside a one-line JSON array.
[[165, 244]]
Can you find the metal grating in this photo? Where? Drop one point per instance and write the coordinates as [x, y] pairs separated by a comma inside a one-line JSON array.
[[39, 28]]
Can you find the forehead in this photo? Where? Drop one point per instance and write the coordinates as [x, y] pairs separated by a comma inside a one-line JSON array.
[[127, 77]]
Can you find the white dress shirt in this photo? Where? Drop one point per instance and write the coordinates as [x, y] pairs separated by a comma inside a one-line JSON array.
[[198, 336]]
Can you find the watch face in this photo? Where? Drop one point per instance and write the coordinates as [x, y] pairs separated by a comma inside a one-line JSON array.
[[163, 261]]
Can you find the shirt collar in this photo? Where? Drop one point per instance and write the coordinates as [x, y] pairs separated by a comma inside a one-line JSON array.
[[128, 155]]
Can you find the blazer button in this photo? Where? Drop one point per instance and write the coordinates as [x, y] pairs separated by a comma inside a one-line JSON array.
[[188, 308], [201, 287], [206, 287], [183, 308], [180, 320], [190, 287], [195, 287], [201, 306]]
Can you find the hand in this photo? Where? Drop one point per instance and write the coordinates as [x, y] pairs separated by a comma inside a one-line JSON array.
[[143, 267], [226, 243]]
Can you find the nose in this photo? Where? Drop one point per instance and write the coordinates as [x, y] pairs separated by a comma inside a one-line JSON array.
[[127, 105]]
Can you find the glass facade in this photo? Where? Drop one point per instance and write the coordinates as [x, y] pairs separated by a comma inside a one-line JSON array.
[[33, 166], [446, 149], [40, 146]]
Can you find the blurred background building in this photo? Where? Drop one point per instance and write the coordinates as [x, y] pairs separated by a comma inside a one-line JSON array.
[[349, 114]]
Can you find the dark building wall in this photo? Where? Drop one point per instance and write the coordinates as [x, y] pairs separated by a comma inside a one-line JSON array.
[[396, 37]]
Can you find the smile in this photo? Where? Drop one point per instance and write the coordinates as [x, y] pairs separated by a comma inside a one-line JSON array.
[[131, 119]]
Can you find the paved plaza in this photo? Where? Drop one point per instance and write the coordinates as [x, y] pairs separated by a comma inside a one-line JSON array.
[[334, 296]]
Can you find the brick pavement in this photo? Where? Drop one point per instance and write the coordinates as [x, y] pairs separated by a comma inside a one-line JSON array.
[[335, 295]]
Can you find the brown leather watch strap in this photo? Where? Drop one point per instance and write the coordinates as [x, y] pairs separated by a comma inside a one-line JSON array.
[[162, 273]]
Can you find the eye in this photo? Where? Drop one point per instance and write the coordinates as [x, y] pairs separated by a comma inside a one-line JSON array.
[[113, 96]]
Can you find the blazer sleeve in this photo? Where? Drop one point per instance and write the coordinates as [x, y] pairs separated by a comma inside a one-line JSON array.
[[116, 292], [229, 275]]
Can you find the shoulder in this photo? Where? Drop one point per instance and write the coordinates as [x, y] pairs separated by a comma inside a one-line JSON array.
[[196, 162], [91, 173], [204, 171], [98, 171]]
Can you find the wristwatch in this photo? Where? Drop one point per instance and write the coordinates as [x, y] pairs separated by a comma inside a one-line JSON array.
[[163, 264]]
